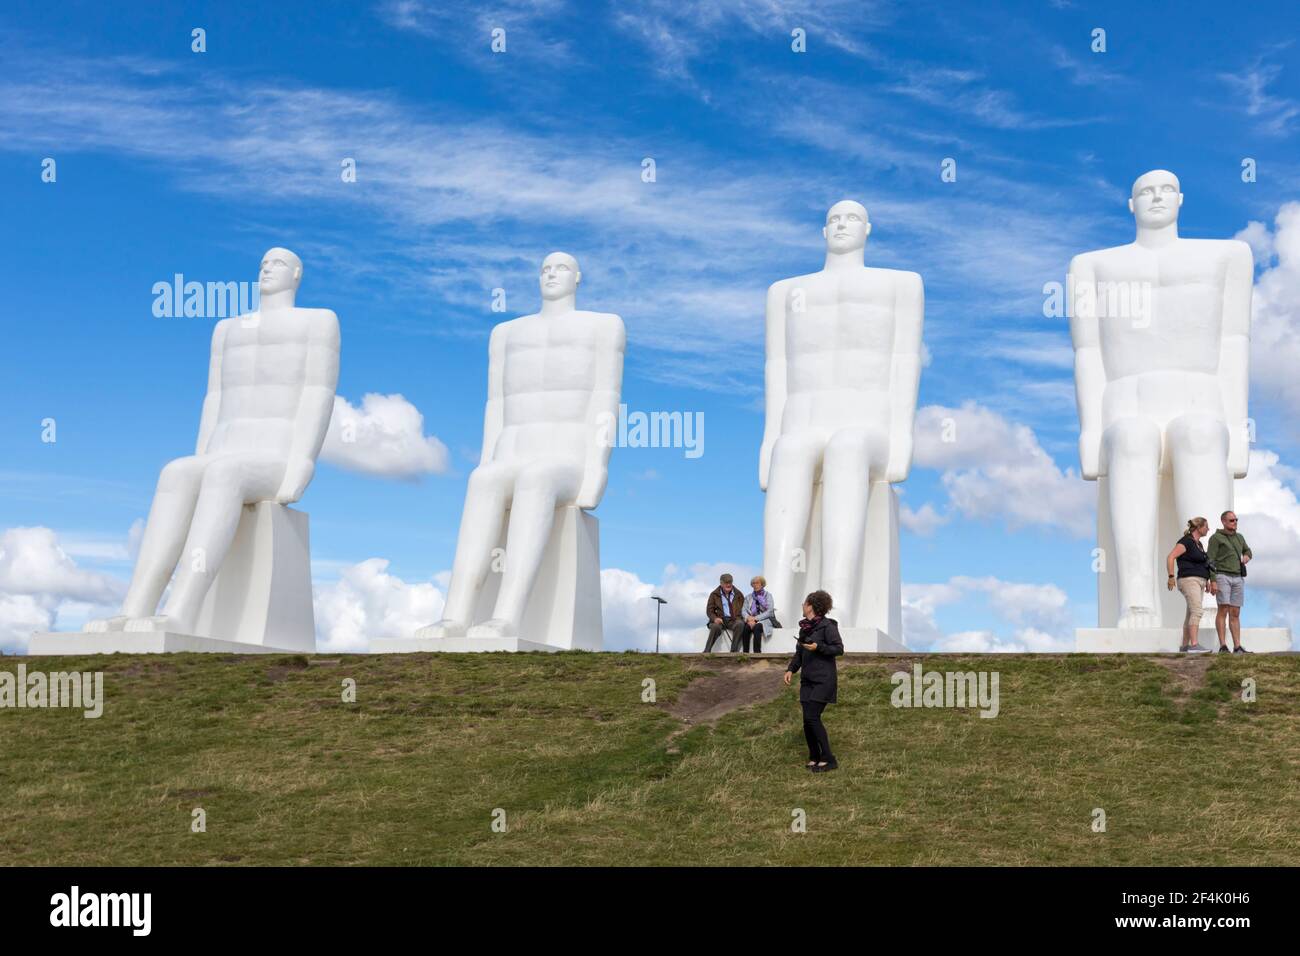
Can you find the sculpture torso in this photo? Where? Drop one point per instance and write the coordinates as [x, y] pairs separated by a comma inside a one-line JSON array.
[[263, 370], [1162, 359], [839, 349], [548, 377]]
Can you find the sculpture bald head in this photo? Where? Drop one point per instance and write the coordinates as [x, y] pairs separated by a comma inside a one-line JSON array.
[[280, 270], [560, 276], [847, 226], [1155, 199]]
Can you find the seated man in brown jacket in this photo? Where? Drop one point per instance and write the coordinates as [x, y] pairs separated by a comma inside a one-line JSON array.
[[724, 610]]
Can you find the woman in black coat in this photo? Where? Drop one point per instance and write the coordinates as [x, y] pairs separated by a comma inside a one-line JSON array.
[[819, 645]]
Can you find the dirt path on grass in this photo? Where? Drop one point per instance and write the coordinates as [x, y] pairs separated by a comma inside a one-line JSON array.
[[719, 687]]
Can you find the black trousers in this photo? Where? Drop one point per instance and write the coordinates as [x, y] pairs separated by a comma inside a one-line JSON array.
[[819, 746], [757, 632]]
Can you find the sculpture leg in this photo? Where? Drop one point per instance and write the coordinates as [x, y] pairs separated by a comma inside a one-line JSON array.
[[164, 535], [1198, 451], [846, 473], [1131, 454], [785, 513], [229, 482], [538, 490], [480, 529]]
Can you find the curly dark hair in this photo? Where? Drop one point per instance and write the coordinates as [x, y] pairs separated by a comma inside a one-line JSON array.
[[820, 601]]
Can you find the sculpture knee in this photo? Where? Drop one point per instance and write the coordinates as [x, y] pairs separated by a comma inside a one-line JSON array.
[[856, 449], [547, 482], [224, 476], [795, 452], [181, 475], [1132, 438], [489, 480], [1191, 434]]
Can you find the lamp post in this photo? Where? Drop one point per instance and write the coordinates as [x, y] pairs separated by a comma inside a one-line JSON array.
[[659, 606]]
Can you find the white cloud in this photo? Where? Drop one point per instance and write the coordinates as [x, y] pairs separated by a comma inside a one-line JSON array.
[[995, 470], [39, 583], [1275, 326], [924, 521], [367, 602], [384, 437], [1039, 614]]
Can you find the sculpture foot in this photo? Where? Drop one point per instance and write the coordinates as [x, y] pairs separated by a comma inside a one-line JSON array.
[[497, 627], [157, 622], [1138, 618], [103, 625], [443, 628]]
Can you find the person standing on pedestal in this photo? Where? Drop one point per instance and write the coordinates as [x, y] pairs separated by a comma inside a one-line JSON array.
[[1193, 578], [1229, 553]]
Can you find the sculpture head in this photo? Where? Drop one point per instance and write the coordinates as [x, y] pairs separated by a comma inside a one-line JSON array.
[[1155, 199], [560, 276], [281, 270], [847, 227]]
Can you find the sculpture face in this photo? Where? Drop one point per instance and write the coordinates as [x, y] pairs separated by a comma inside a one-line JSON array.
[[846, 227], [560, 276], [1156, 198], [280, 270]]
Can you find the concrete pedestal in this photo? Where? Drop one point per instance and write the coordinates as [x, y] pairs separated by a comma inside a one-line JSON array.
[[1166, 640], [564, 609], [260, 602]]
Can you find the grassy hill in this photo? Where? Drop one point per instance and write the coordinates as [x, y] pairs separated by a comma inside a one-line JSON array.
[[588, 773]]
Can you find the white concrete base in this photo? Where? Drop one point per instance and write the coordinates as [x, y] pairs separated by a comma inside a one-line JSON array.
[[79, 643], [857, 640], [563, 611], [1166, 640], [455, 645], [260, 601]]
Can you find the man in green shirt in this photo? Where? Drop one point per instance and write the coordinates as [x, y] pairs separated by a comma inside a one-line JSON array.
[[1228, 555]]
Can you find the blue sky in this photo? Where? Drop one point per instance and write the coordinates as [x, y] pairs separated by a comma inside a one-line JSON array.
[[471, 166]]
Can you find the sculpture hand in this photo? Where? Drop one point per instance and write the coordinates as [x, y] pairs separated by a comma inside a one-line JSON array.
[[297, 476], [1238, 455]]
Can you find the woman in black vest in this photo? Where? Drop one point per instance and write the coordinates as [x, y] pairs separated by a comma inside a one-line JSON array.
[[1195, 576], [819, 645]]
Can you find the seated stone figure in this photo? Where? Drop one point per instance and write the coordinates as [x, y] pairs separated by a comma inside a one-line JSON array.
[[270, 395], [554, 380]]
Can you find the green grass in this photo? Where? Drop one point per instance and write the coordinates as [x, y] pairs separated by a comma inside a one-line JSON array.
[[589, 774]]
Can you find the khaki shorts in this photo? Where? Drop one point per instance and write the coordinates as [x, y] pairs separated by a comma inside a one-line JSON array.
[[1194, 591]]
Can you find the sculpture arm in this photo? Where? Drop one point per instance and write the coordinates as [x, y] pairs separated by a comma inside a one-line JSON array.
[[905, 376], [774, 381], [1089, 371], [602, 412], [1234, 355], [315, 407], [494, 411], [212, 400]]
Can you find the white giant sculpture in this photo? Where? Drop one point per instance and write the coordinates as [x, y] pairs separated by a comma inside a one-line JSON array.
[[526, 574], [843, 368], [1161, 330], [218, 518]]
